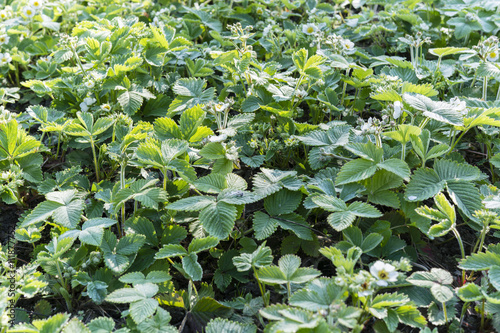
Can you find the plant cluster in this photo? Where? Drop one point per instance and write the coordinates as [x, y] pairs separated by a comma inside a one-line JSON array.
[[243, 166]]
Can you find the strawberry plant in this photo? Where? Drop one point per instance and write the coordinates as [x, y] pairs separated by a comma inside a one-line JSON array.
[[249, 166]]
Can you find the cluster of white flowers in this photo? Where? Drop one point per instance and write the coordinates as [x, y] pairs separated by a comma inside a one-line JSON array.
[[488, 49], [5, 59], [87, 102], [372, 125], [337, 43], [34, 7]]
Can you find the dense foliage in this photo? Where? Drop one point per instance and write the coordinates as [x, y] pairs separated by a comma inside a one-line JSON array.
[[244, 166]]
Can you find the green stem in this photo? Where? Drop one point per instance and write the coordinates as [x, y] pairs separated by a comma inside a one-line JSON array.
[[485, 89], [473, 80], [344, 88], [378, 140], [456, 141], [295, 89], [165, 180], [122, 186], [464, 310], [58, 143], [483, 236], [403, 151], [462, 250], [482, 316], [95, 159], [445, 313], [424, 122], [261, 287]]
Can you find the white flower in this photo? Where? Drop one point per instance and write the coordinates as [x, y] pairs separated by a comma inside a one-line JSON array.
[[266, 30], [28, 11], [218, 138], [309, 29], [492, 55], [384, 273], [412, 197], [4, 39], [397, 109], [220, 107], [5, 58], [84, 106], [365, 289], [259, 11], [348, 46], [3, 14], [106, 107], [89, 84], [89, 101], [36, 4]]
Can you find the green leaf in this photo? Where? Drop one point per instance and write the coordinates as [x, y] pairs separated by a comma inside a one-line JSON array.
[[480, 261], [341, 220], [192, 267], [452, 170], [219, 325], [329, 203], [213, 151], [171, 250], [192, 204], [354, 171], [409, 315], [363, 209], [202, 244], [64, 206], [389, 300], [190, 93], [445, 51], [470, 292], [141, 310], [424, 183], [130, 101], [318, 294], [130, 295], [130, 244], [263, 225], [397, 167], [494, 276], [282, 202], [466, 196], [166, 128], [218, 219], [259, 258], [75, 326]]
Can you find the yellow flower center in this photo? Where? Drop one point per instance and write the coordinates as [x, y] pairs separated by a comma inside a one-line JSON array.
[[382, 275], [36, 4], [493, 54], [28, 12], [310, 30], [2, 39]]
